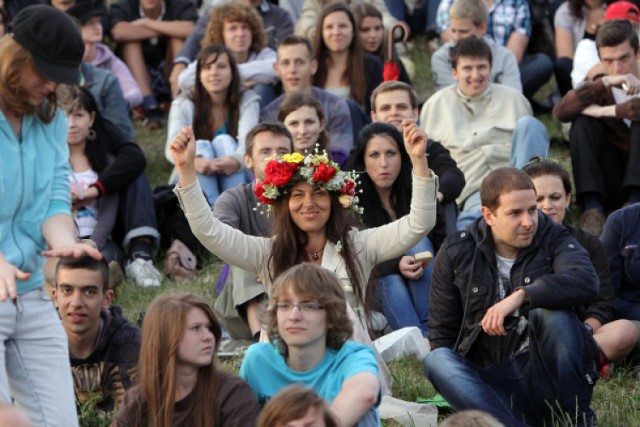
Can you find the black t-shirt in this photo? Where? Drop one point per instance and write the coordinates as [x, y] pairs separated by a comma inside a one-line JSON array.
[[154, 50]]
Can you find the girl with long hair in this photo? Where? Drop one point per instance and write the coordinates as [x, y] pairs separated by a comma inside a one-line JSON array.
[[343, 68], [616, 338], [403, 284], [179, 383], [44, 50], [239, 27], [221, 114], [314, 218], [309, 324], [303, 116], [371, 33]]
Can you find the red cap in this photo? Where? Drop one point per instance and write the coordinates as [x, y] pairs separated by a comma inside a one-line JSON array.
[[623, 10]]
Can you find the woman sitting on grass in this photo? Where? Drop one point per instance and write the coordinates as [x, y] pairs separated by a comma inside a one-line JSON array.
[[308, 322], [221, 114], [314, 217], [178, 381], [616, 338]]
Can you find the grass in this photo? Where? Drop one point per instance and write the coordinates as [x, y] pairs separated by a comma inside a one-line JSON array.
[[616, 400]]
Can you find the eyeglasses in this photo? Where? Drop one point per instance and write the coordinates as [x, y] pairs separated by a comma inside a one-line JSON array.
[[305, 307]]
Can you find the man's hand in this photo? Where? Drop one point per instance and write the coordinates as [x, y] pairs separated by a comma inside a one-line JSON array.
[[628, 82], [599, 111], [493, 321]]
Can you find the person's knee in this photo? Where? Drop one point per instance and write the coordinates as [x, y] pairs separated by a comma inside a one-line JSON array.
[[440, 361], [528, 124], [542, 319], [625, 336]]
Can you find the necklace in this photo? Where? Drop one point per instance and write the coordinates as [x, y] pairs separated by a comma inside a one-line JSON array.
[[315, 255]]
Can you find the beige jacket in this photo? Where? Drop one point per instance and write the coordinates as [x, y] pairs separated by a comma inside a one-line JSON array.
[[476, 130]]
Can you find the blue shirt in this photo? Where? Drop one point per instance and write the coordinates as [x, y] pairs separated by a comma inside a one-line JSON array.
[[267, 373]]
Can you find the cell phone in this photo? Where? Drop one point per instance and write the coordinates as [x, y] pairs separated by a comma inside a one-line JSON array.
[[423, 258]]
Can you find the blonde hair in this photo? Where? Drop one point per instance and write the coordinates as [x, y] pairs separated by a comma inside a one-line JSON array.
[[474, 10], [14, 60]]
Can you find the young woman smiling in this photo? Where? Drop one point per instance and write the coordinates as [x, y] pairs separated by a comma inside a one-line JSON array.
[[309, 220], [343, 68], [221, 114]]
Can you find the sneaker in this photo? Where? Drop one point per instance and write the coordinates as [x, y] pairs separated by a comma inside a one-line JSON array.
[[153, 118], [592, 221], [143, 273]]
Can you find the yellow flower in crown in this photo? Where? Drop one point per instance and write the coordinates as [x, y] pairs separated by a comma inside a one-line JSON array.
[[293, 158]]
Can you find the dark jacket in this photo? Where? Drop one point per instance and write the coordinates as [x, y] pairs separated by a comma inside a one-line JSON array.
[[601, 307], [110, 368], [621, 239], [555, 270]]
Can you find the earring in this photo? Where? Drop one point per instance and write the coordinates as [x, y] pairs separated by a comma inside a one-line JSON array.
[[91, 135]]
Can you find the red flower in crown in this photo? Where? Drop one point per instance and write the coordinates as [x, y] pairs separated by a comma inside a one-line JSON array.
[[260, 193], [324, 173], [280, 173], [349, 187]]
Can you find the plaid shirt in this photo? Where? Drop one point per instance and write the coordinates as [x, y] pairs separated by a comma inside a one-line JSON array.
[[505, 17]]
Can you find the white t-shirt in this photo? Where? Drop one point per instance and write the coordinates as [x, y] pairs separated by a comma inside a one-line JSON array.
[[86, 217]]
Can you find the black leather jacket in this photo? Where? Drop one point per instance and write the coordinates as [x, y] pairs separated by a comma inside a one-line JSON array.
[[555, 270]]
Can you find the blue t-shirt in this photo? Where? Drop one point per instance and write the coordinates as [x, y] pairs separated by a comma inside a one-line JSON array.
[[267, 373]]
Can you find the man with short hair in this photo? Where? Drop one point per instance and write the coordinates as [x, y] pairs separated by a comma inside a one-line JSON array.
[[103, 346], [605, 128], [469, 18], [484, 125], [393, 101], [296, 67], [238, 306], [509, 24], [503, 335], [149, 34]]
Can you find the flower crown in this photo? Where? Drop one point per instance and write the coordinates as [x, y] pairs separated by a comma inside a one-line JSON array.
[[316, 169]]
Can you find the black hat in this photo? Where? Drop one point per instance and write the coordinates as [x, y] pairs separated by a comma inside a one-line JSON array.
[[86, 10], [53, 40]]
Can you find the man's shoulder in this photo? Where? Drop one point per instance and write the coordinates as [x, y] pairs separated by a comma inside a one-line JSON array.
[[459, 239], [324, 96], [447, 94], [117, 329], [442, 52], [243, 193]]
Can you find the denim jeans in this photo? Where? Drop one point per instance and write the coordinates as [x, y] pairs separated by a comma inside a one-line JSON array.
[[34, 360], [529, 140], [213, 185], [550, 374], [535, 70], [137, 215], [406, 302]]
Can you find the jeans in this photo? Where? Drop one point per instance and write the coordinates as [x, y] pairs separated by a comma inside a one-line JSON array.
[[535, 70], [34, 360], [406, 302], [423, 17], [529, 140], [550, 374], [213, 185], [267, 93], [137, 215]]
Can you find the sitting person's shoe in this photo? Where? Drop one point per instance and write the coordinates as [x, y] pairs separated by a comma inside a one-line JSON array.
[[143, 273], [153, 118], [592, 221]]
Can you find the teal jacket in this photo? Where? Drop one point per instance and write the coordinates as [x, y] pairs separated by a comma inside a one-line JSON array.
[[34, 186]]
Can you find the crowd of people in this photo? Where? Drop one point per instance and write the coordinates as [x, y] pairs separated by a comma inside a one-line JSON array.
[[343, 207]]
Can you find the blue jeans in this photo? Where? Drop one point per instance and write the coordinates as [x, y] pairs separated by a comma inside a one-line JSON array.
[[213, 185], [406, 302], [529, 140], [422, 18], [550, 373], [34, 360], [137, 215], [535, 70]]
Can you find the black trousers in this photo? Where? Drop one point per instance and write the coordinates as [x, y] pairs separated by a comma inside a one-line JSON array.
[[600, 167]]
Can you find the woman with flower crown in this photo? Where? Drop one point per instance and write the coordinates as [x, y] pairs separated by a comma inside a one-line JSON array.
[[314, 216]]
